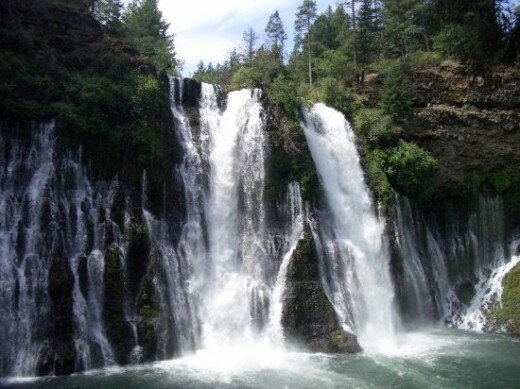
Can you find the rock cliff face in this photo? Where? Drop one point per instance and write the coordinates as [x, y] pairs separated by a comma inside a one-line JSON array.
[[308, 316], [468, 125]]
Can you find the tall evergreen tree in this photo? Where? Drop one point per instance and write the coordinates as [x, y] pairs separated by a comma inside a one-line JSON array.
[[401, 29], [108, 12], [276, 35], [249, 39], [145, 27], [305, 17], [350, 7], [479, 24]]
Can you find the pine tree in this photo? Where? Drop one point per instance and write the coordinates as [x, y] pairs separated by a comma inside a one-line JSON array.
[[396, 98], [145, 27], [276, 34], [249, 38], [305, 16], [367, 34], [479, 23], [401, 29], [350, 7], [108, 12]]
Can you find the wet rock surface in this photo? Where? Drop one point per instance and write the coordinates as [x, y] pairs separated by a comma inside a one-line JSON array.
[[308, 316]]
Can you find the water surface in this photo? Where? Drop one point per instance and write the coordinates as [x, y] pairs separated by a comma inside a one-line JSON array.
[[439, 358]]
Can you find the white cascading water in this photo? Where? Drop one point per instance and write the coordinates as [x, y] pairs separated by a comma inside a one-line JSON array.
[[50, 211], [19, 240], [236, 236], [426, 277], [488, 295], [237, 275], [472, 247], [361, 282]]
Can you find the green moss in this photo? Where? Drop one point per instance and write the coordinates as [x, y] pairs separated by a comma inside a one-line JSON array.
[[466, 292], [147, 317], [112, 273], [500, 180], [509, 314]]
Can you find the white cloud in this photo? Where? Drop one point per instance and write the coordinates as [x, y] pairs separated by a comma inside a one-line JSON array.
[[209, 29]]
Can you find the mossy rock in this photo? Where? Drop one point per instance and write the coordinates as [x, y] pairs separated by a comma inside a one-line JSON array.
[[147, 308], [509, 314], [289, 158], [308, 316], [118, 329], [466, 292], [192, 113], [117, 209], [138, 255]]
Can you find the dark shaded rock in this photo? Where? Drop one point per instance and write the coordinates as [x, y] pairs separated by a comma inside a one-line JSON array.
[[191, 92], [308, 316], [83, 274], [58, 357], [466, 292], [117, 209], [119, 330], [137, 256]]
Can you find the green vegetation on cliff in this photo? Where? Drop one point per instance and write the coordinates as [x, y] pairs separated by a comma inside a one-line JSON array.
[[106, 88], [509, 314]]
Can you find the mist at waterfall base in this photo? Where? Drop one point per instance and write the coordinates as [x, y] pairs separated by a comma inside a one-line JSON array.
[[227, 274], [440, 358]]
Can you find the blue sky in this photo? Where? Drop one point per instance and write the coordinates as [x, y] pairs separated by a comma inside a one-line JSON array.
[[208, 29]]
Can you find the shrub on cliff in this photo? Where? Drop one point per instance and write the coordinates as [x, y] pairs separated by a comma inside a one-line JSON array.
[[410, 169], [283, 93], [376, 127], [453, 42], [245, 77]]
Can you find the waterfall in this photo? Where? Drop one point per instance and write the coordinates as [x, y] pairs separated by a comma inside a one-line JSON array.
[[236, 276], [24, 296], [235, 217], [54, 229], [359, 283], [488, 295], [75, 294], [453, 272], [215, 277], [425, 280]]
